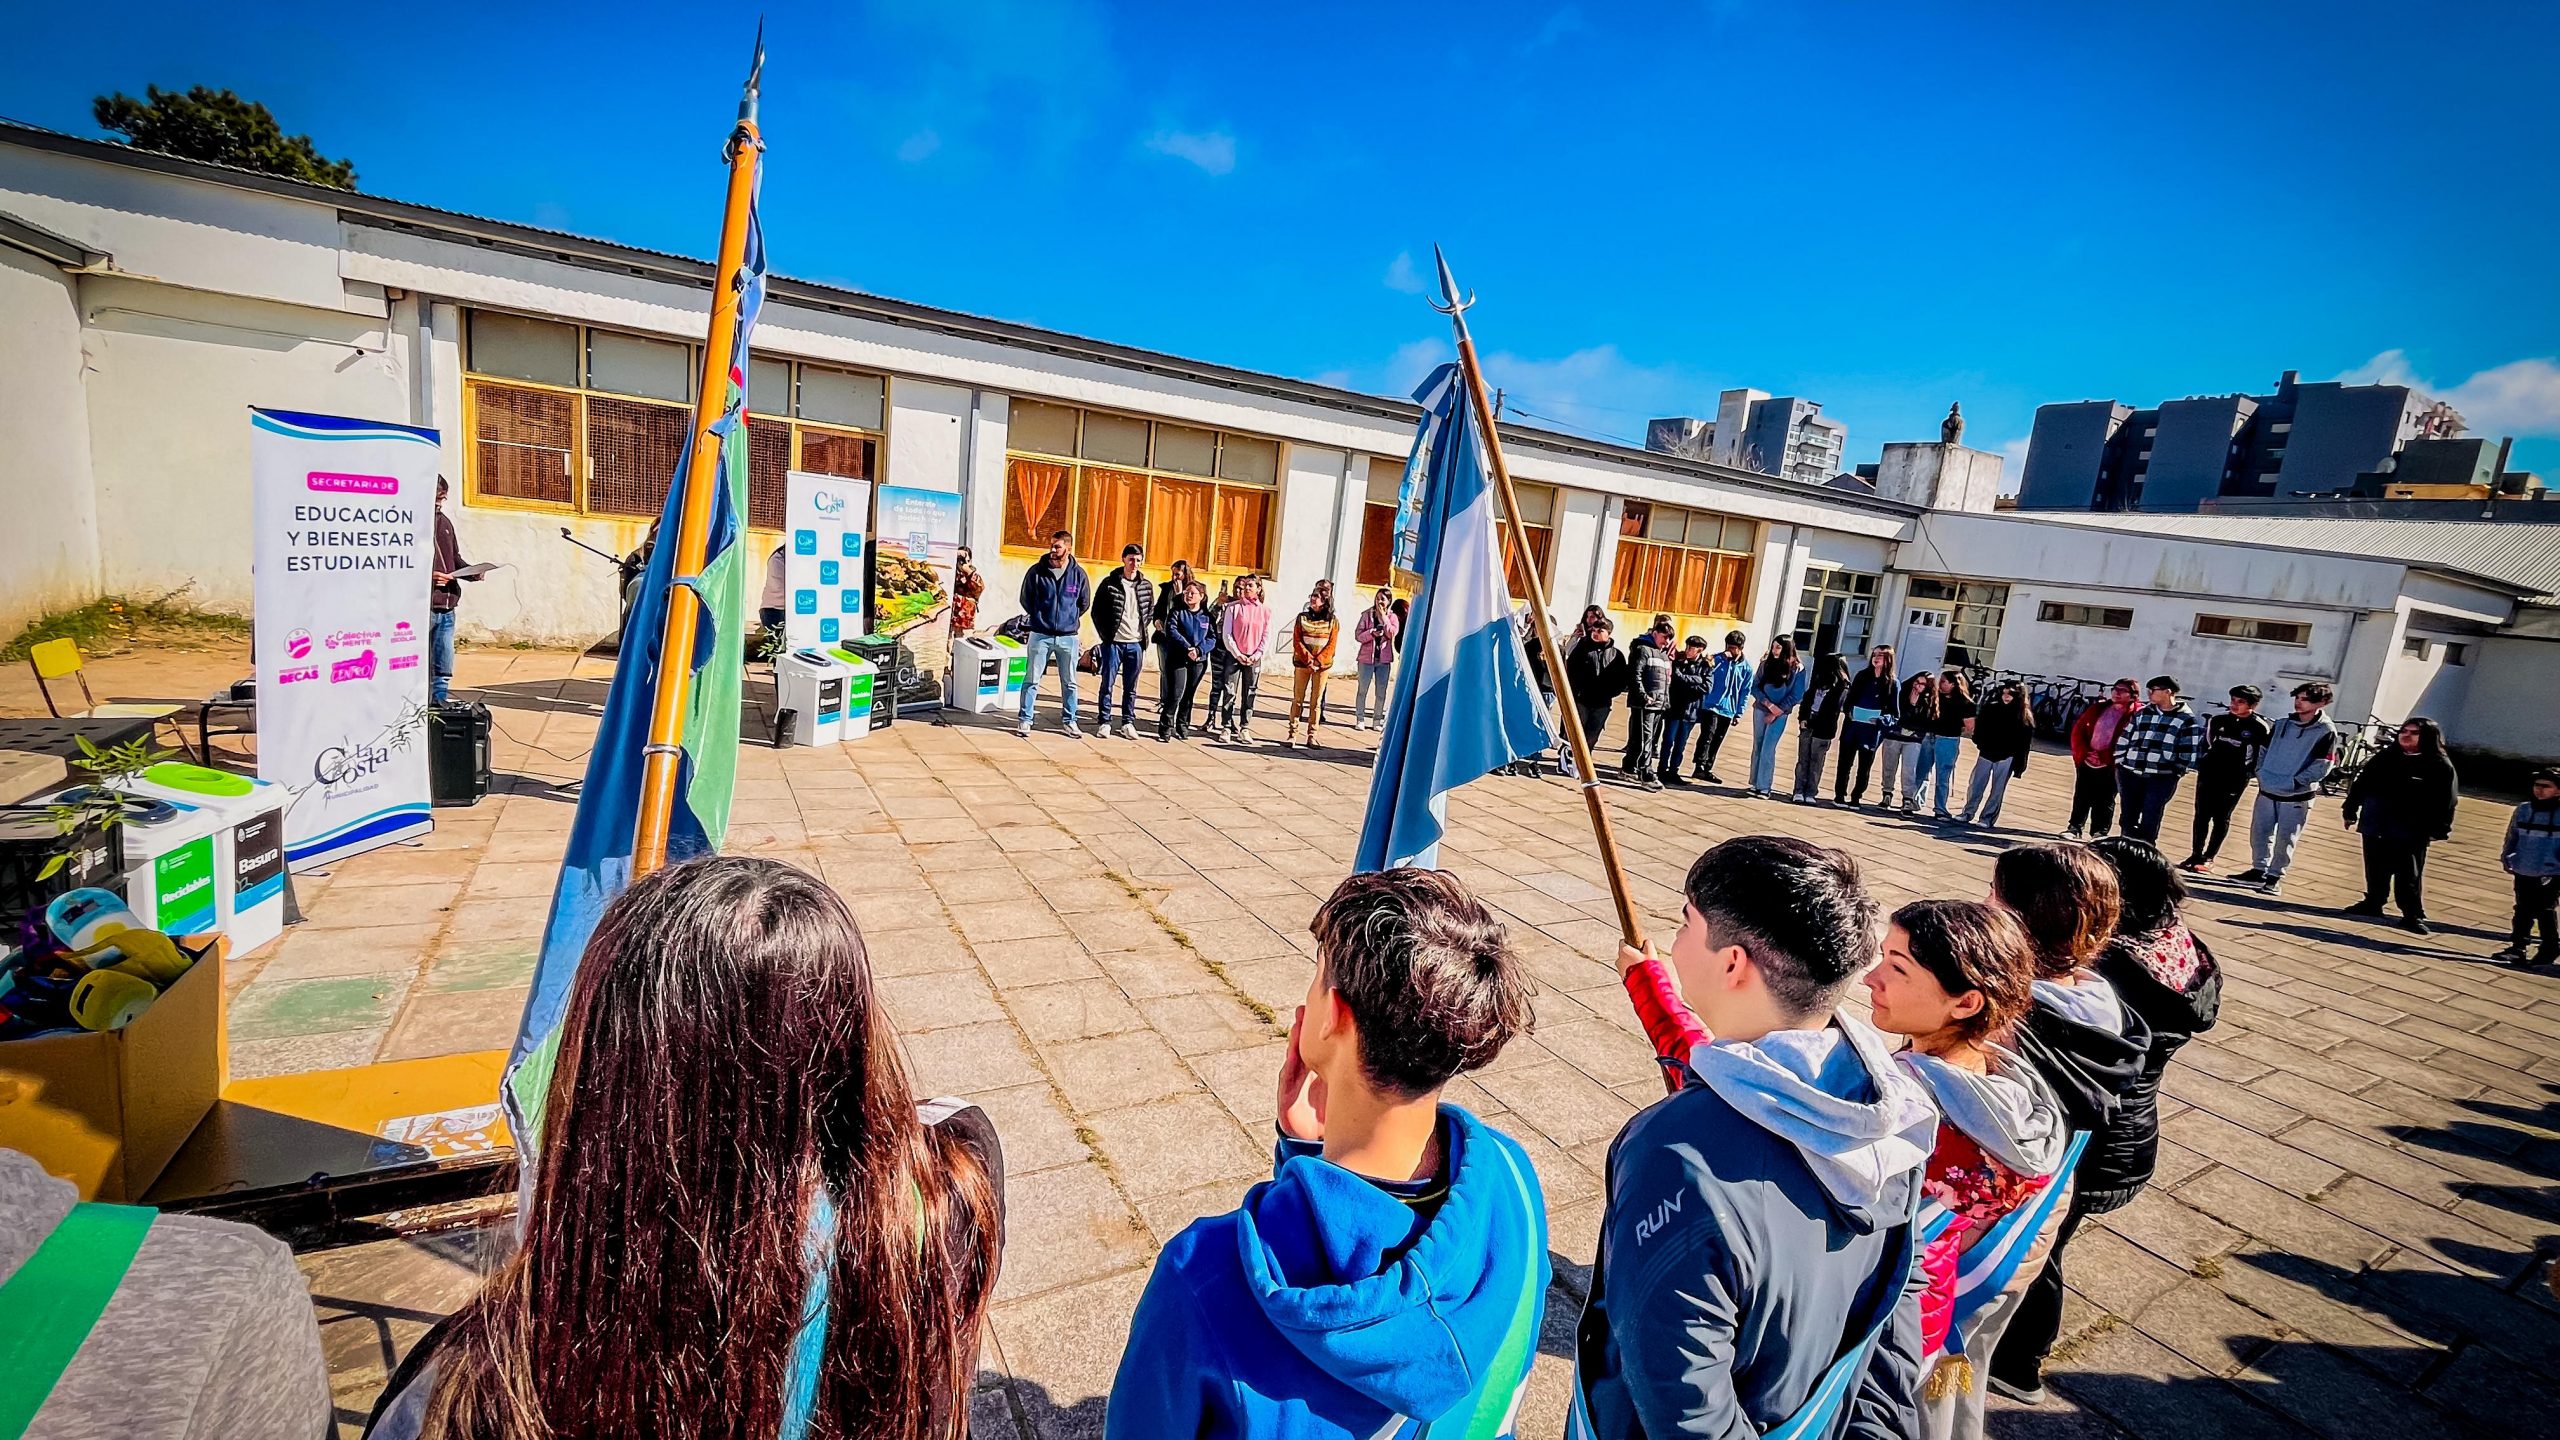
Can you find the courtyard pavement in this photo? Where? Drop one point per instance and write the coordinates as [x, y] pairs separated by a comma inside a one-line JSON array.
[[1100, 942]]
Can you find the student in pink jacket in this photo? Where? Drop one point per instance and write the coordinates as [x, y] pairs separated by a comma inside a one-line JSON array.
[[1375, 634]]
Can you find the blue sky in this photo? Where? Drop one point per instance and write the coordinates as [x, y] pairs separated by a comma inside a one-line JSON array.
[[1880, 206]]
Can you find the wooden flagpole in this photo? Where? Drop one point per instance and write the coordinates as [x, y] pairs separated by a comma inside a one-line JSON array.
[[1567, 716], [693, 527]]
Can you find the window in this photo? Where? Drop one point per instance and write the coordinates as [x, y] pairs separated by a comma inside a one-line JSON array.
[[594, 421], [1835, 612], [2054, 612], [2413, 646], [1184, 493], [2265, 632], [2456, 652], [1682, 562], [1974, 621]]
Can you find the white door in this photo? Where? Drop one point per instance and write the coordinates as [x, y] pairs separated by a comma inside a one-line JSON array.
[[1924, 642]]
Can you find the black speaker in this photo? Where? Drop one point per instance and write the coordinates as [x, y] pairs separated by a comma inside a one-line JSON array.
[[458, 753]]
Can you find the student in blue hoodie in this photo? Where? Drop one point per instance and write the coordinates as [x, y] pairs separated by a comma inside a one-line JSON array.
[[1389, 1279], [1757, 1256]]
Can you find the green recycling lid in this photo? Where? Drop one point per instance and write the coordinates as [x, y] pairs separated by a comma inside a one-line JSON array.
[[196, 779]]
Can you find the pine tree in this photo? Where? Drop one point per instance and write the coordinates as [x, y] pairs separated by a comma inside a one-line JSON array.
[[219, 126]]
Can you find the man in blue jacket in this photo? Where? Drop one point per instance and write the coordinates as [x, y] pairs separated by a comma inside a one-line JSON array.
[[1390, 1278], [1728, 695], [1757, 1263], [1055, 594]]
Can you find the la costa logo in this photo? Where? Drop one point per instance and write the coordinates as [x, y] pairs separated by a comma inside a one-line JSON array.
[[828, 502], [345, 764]]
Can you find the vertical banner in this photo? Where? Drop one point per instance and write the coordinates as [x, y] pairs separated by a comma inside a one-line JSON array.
[[915, 558], [825, 550], [344, 512]]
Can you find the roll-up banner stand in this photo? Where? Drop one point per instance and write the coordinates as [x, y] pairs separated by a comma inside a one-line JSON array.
[[915, 556], [825, 564], [343, 556]]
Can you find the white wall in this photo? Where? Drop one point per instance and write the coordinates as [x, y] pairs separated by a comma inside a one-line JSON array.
[[49, 545], [2511, 704], [1307, 530], [172, 374], [1586, 555], [2432, 686], [2163, 641]]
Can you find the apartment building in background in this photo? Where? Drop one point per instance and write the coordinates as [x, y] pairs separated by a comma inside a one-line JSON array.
[[1772, 435]]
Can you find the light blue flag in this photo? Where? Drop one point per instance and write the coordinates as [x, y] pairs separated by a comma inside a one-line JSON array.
[[597, 865], [1464, 704]]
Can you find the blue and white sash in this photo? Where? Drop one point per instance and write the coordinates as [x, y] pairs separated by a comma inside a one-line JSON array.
[[1987, 1266]]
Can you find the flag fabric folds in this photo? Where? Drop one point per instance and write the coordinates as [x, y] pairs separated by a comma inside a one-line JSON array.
[[1464, 704], [597, 865]]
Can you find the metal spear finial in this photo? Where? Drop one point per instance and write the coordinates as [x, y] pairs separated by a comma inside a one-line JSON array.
[[1448, 303]]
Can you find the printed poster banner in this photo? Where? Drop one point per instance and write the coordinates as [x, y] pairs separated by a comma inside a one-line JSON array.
[[344, 547], [916, 556], [823, 566]]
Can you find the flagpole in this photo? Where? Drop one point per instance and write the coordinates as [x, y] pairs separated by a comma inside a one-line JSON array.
[[693, 527], [1629, 926]]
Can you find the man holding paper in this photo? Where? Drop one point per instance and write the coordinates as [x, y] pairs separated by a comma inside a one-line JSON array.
[[444, 599]]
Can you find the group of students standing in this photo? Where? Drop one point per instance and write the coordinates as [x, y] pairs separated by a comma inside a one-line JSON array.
[[1225, 637], [1851, 1229]]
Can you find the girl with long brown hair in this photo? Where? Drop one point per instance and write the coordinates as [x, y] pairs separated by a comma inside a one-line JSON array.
[[740, 1226]]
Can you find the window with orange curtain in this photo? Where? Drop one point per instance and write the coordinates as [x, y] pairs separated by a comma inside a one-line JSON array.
[[1377, 545], [1732, 582], [1178, 522], [1682, 562], [1627, 577], [768, 460], [1244, 529], [1035, 502], [1689, 587], [1111, 511]]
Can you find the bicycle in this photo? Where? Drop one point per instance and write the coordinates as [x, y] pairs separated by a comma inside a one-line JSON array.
[[2357, 745]]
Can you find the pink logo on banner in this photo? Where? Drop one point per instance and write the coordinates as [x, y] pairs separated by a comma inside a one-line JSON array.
[[404, 662], [360, 668], [352, 484], [297, 674], [298, 644]]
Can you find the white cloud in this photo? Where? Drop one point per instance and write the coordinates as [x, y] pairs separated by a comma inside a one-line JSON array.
[[1213, 150], [1596, 392], [2521, 397], [1401, 276], [919, 145], [2013, 470]]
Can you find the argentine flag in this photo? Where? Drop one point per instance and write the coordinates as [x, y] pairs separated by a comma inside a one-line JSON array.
[[1464, 704]]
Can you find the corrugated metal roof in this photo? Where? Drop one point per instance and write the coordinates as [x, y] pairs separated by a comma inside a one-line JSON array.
[[2523, 556]]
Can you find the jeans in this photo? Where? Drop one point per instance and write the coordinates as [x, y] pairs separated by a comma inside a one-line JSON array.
[[1899, 759], [439, 656], [1764, 749], [2537, 907], [1857, 744], [1374, 676], [1711, 732], [1037, 651], [1811, 751], [1644, 743], [1233, 689], [2396, 869], [2216, 797], [2146, 799], [1935, 764], [1121, 661], [2093, 800], [1986, 789], [2274, 827], [1177, 681], [1676, 726]]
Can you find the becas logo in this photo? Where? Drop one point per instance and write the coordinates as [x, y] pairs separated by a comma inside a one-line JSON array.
[[298, 644], [828, 502], [295, 675]]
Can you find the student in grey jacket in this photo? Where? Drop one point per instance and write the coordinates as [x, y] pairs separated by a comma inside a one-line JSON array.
[[2300, 749], [2532, 855]]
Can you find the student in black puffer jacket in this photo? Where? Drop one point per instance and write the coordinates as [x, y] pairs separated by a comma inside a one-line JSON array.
[[2163, 972]]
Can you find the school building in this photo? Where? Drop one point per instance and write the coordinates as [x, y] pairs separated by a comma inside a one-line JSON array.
[[146, 302]]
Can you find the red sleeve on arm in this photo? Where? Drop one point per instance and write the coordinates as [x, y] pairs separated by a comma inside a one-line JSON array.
[[1666, 1020]]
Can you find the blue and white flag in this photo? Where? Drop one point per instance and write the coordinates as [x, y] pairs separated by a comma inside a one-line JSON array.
[[1464, 704]]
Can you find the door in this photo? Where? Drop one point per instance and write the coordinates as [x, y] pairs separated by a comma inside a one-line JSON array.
[[1924, 641]]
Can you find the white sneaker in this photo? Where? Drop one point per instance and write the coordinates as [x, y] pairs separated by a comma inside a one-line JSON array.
[[1023, 729], [1128, 731], [1070, 731]]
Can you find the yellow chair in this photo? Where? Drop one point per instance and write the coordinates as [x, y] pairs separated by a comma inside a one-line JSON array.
[[60, 660]]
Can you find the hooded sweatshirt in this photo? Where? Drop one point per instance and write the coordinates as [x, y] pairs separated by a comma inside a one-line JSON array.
[[2000, 1140], [1751, 1232], [2090, 1047], [2532, 845], [2170, 982], [1317, 1310], [2298, 756]]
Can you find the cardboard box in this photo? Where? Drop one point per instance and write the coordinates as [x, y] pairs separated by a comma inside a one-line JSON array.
[[106, 1111]]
